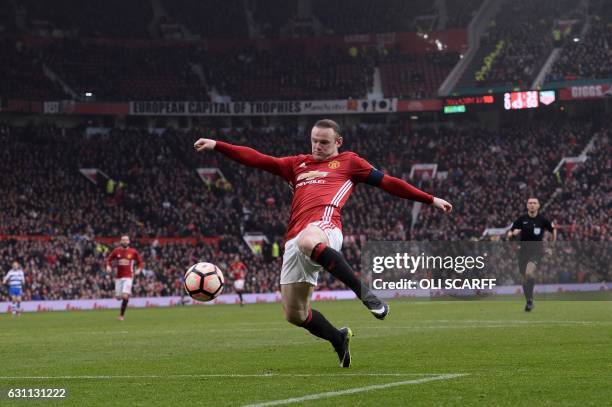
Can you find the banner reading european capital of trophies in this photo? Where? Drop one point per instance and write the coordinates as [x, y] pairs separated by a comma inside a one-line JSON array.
[[263, 108]]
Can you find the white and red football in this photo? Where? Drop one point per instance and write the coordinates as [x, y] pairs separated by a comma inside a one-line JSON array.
[[204, 281]]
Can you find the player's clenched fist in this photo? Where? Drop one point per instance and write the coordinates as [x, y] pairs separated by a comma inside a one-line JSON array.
[[204, 144], [442, 204]]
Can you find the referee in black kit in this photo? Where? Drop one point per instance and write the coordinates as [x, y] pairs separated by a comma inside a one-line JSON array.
[[531, 227]]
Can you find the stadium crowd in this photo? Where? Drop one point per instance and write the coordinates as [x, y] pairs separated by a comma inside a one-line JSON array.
[[119, 70], [524, 41], [158, 193], [589, 57]]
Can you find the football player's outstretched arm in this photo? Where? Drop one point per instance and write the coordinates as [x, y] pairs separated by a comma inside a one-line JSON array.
[[365, 172], [244, 155], [400, 188]]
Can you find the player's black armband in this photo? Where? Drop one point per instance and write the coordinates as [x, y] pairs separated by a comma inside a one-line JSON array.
[[375, 177]]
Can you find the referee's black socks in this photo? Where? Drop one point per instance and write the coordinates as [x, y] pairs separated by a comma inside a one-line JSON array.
[[528, 286], [334, 262]]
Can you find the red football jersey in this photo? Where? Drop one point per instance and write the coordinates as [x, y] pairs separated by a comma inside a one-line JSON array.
[[238, 270], [125, 261], [321, 188]]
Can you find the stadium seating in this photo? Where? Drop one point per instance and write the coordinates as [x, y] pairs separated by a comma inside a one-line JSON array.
[[88, 18], [584, 206], [22, 69], [590, 57], [288, 74], [209, 19], [525, 40], [415, 76], [163, 196], [113, 72], [346, 17]]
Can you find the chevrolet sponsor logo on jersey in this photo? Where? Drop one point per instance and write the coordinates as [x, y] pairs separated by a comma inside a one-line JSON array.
[[310, 177]]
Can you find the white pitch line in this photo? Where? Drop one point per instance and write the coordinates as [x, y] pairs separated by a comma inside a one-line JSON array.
[[354, 390], [204, 376]]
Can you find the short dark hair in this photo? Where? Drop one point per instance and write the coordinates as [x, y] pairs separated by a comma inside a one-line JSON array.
[[329, 124]]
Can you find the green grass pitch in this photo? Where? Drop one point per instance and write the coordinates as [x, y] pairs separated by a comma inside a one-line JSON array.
[[560, 354]]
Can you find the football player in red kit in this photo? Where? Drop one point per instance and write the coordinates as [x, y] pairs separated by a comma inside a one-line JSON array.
[[238, 273], [322, 183], [125, 257]]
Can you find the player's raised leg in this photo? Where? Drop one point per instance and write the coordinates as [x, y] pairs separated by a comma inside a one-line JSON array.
[[296, 304], [313, 242]]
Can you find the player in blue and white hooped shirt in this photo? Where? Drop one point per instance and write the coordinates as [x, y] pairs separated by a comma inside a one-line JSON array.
[[15, 280]]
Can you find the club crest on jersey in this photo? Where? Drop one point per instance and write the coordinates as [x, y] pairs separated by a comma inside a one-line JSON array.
[[334, 164], [307, 176]]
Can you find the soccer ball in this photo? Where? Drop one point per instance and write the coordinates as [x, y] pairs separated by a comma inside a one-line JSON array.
[[204, 281]]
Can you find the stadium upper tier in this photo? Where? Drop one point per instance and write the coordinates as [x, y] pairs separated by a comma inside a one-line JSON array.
[[76, 48], [231, 18], [71, 69]]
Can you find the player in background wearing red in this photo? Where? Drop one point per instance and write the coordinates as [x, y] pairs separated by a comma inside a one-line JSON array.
[[125, 257], [238, 272], [322, 183]]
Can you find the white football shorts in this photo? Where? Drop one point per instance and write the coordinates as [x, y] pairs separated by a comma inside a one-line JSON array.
[[299, 268], [239, 285], [123, 286]]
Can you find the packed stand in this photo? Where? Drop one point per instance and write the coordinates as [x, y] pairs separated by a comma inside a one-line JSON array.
[[45, 194], [491, 187], [74, 267], [518, 42], [589, 57], [584, 207], [163, 196]]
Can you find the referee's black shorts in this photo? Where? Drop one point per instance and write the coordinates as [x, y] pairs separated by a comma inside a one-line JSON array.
[[528, 256]]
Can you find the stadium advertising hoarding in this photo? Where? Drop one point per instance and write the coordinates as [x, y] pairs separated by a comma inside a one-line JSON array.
[[431, 292], [262, 108], [595, 91]]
